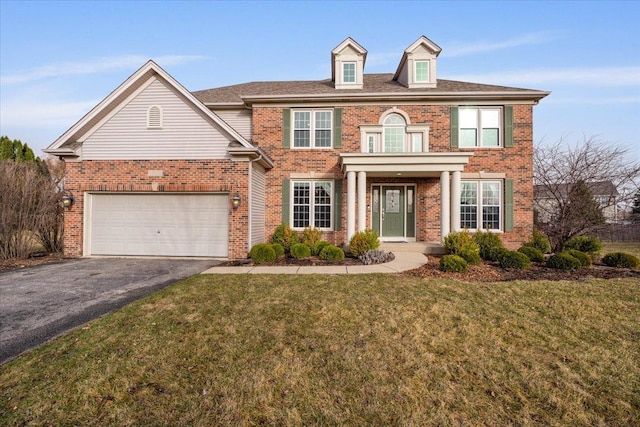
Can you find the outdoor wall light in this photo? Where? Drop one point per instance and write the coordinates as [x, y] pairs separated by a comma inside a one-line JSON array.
[[235, 201], [68, 200]]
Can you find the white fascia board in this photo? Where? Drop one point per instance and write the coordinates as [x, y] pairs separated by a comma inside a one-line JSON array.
[[533, 97]]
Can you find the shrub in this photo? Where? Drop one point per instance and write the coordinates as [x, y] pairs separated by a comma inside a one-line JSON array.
[[262, 252], [621, 260], [331, 253], [462, 243], [488, 243], [311, 236], [534, 254], [285, 236], [514, 260], [563, 261], [470, 255], [539, 241], [498, 253], [300, 251], [376, 257], [278, 249], [585, 260], [363, 241], [589, 245], [318, 246], [453, 264]]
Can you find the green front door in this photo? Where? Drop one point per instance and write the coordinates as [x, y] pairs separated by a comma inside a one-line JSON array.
[[393, 217]]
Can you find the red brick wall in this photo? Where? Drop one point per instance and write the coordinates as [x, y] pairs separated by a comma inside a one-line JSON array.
[[178, 176], [515, 162]]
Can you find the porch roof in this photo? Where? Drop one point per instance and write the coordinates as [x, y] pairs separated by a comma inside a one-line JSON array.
[[409, 165]]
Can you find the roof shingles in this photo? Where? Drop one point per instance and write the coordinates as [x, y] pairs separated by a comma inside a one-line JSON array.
[[373, 84]]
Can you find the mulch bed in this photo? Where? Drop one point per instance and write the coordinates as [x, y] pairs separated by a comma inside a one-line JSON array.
[[284, 261], [485, 272], [491, 272]]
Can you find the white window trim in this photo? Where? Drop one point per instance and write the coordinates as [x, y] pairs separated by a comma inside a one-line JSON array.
[[160, 124], [415, 70], [312, 129], [479, 143], [312, 183], [479, 205], [355, 72]]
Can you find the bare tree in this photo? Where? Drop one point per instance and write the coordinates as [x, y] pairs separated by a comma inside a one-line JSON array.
[[562, 168], [29, 208]]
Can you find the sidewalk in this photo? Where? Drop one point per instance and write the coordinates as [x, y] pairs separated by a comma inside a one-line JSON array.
[[404, 261]]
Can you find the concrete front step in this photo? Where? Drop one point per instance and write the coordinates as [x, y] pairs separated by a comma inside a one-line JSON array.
[[429, 248]]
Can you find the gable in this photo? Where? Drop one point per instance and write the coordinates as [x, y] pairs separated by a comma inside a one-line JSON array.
[[185, 132]]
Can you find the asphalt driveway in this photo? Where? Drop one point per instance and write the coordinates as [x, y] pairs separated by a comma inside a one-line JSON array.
[[39, 303]]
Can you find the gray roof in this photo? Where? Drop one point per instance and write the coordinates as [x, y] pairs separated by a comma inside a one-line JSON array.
[[375, 85], [597, 188]]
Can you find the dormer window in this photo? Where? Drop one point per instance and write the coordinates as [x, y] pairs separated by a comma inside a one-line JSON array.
[[421, 72], [417, 69], [348, 72], [154, 117]]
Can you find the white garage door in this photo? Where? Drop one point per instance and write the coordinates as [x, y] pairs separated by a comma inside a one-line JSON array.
[[159, 224]]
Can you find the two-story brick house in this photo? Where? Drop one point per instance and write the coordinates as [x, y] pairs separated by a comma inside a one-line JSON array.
[[157, 170]]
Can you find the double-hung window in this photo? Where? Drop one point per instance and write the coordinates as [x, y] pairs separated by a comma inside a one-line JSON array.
[[480, 127], [481, 205], [312, 204], [348, 72], [312, 128], [421, 71]]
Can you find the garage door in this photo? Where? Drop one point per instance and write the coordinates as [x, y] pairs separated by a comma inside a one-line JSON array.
[[159, 224]]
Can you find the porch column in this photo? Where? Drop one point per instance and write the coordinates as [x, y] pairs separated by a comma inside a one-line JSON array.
[[445, 202], [351, 205], [362, 200], [455, 201]]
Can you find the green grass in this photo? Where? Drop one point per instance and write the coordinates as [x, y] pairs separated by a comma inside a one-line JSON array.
[[343, 350], [632, 248]]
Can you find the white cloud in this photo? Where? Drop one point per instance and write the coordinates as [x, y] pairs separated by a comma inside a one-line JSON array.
[[488, 46], [595, 100], [590, 76], [96, 66], [44, 113]]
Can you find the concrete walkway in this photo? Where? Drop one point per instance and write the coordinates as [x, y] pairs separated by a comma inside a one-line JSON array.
[[404, 261]]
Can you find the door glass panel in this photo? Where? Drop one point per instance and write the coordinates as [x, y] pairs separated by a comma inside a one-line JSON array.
[[393, 201]]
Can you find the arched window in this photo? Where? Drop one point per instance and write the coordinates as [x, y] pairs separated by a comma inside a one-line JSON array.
[[154, 117], [394, 133]]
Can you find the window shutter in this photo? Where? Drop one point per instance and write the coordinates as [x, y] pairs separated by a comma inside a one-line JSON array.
[[337, 128], [337, 205], [286, 200], [508, 126], [454, 127], [508, 205], [286, 128]]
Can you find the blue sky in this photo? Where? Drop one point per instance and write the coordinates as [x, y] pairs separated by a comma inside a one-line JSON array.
[[59, 59]]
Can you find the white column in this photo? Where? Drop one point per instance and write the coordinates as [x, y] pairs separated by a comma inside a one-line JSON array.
[[351, 205], [445, 202], [362, 201], [455, 201]]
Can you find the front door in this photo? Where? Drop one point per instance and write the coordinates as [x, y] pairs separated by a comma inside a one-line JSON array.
[[392, 217], [393, 214]]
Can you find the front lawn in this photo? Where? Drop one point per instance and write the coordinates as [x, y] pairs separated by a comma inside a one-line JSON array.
[[343, 350]]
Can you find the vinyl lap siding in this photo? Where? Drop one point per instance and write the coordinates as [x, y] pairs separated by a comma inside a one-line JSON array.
[[185, 134], [258, 185], [240, 120]]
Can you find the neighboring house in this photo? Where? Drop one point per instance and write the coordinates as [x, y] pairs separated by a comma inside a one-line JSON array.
[[547, 196], [155, 169]]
